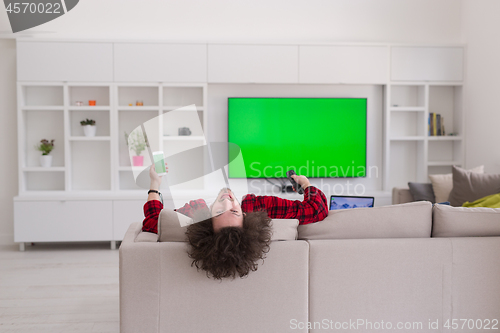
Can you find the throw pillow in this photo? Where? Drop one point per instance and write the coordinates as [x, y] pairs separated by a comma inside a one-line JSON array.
[[442, 184], [422, 192], [172, 227], [470, 186], [409, 220], [465, 222]]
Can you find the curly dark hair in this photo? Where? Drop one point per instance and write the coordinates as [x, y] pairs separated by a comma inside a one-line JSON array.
[[233, 251]]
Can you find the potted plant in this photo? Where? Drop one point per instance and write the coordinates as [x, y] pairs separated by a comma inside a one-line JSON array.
[[45, 147], [89, 127], [137, 143]]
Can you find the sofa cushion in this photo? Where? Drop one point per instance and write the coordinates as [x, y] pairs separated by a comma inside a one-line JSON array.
[[470, 186], [443, 184], [409, 220], [172, 227], [422, 192], [465, 222], [398, 280]]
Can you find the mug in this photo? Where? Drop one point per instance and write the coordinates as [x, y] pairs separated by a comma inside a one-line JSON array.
[[184, 131]]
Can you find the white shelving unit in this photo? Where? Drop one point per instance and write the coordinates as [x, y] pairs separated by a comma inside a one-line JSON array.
[[102, 163], [410, 153], [86, 168]]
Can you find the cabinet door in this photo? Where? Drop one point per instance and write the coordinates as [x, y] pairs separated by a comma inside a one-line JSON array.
[[252, 64], [61, 221], [344, 64], [427, 63], [64, 61], [160, 62], [126, 212]]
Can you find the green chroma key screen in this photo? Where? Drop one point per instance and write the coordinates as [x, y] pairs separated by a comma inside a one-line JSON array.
[[317, 137]]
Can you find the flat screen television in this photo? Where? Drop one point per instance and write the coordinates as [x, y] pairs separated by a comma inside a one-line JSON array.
[[317, 137]]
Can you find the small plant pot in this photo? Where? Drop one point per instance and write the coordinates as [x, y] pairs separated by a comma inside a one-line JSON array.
[[46, 161], [89, 130], [137, 160]]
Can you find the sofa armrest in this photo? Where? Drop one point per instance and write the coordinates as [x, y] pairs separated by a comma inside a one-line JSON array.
[[139, 271], [135, 234], [401, 195]]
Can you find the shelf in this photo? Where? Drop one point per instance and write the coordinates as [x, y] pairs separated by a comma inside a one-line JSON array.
[[444, 138], [407, 108], [89, 108], [37, 169], [40, 180], [132, 168], [408, 138], [443, 163], [149, 95], [184, 137], [198, 108], [38, 95], [182, 96], [407, 96], [91, 138], [84, 93], [138, 108], [43, 108]]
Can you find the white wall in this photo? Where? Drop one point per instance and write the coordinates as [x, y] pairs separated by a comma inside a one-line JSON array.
[[261, 20], [8, 139], [313, 21], [481, 27]]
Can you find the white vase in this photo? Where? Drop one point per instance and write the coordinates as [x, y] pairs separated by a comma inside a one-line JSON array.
[[89, 130], [46, 161]]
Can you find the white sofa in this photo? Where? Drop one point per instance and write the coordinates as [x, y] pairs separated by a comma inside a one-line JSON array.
[[328, 278]]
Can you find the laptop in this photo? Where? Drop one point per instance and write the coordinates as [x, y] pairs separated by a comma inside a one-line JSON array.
[[346, 202]]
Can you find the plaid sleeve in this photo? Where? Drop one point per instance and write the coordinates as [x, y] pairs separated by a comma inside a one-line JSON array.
[[312, 208], [152, 210], [190, 208]]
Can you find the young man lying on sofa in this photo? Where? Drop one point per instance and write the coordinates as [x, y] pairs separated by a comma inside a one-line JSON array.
[[231, 237]]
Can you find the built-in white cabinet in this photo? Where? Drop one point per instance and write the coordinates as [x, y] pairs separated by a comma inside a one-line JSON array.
[[253, 63], [412, 153], [427, 63], [64, 61], [125, 213], [63, 220], [344, 64], [145, 83], [147, 62]]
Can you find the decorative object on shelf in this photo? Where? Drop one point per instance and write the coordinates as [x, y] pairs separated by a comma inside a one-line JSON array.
[[79, 103], [137, 143], [130, 104], [92, 102], [184, 131], [89, 127], [139, 103], [45, 147]]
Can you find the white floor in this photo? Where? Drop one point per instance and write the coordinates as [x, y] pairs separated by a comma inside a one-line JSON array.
[[59, 287]]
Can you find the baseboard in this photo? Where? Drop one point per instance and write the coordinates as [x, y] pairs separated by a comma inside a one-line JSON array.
[[6, 238]]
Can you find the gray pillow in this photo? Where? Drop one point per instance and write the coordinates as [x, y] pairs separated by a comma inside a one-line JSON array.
[[422, 192], [409, 220], [465, 222], [470, 186]]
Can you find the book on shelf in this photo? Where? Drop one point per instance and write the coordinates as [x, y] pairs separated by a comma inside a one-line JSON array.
[[435, 124]]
